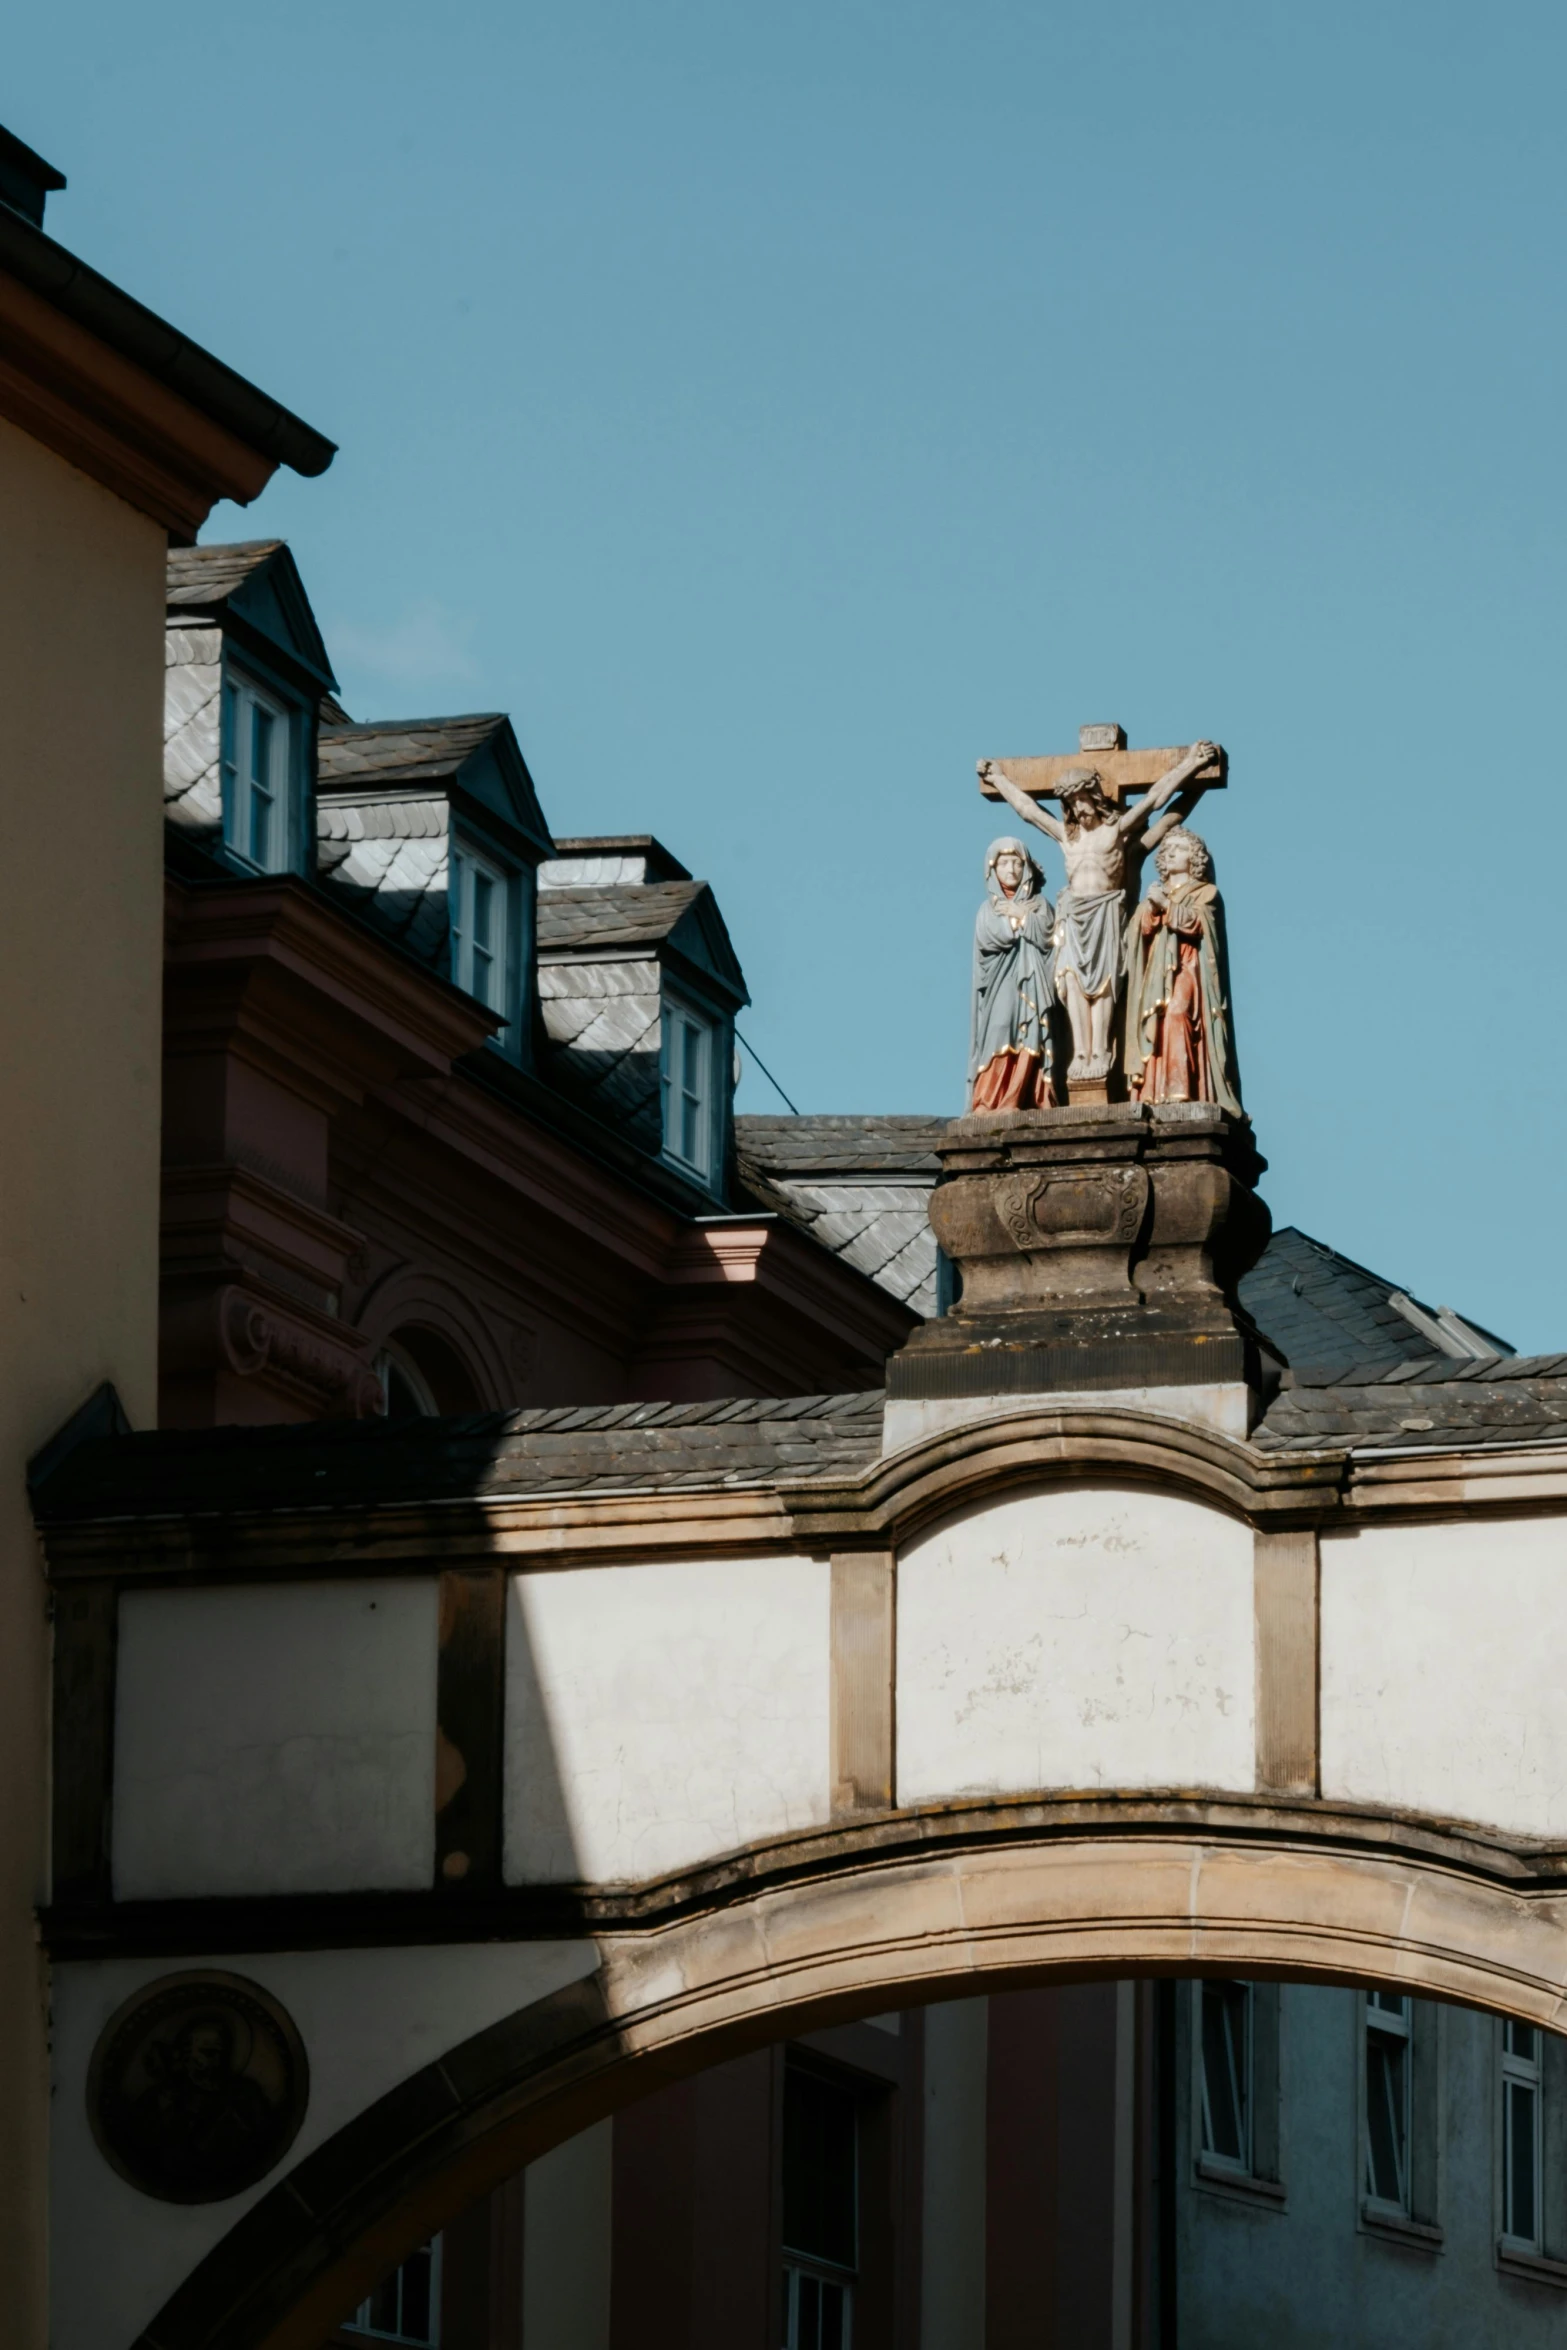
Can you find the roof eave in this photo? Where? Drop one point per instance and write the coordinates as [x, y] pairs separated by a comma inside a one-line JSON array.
[[118, 392]]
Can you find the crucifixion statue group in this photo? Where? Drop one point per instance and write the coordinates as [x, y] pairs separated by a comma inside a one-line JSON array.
[[1145, 992]]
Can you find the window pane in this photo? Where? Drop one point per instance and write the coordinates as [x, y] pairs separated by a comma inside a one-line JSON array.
[[381, 2310], [687, 1100], [1226, 2087], [819, 2168], [1521, 2040], [483, 896], [1520, 2108], [1387, 2118], [835, 2303], [259, 847], [416, 2297], [810, 2313], [261, 729]]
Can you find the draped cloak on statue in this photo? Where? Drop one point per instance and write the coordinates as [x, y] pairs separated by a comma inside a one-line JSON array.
[[1010, 1051], [1179, 1047]]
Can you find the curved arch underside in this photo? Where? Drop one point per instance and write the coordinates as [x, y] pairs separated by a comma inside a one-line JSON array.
[[900, 1911]]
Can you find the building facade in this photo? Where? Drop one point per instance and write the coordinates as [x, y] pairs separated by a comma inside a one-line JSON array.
[[117, 434]]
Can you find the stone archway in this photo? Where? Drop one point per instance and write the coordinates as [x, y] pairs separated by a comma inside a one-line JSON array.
[[824, 1928]]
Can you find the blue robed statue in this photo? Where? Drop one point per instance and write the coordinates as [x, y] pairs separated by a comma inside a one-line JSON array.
[[1010, 1046]]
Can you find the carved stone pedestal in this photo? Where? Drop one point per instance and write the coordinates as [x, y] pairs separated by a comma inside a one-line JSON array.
[[1099, 1248]]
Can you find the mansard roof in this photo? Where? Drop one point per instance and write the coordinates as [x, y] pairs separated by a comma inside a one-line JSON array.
[[650, 916], [476, 754], [257, 582]]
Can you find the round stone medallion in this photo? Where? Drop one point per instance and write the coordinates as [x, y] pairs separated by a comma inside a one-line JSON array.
[[197, 2087]]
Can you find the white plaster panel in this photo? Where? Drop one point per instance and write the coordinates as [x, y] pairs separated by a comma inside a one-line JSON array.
[[659, 1715], [1074, 1639], [368, 2019], [1442, 1691], [277, 1738]]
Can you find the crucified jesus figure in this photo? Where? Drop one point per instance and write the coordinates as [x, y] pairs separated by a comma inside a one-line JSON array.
[[1092, 836]]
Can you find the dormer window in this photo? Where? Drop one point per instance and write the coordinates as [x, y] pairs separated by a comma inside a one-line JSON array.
[[487, 916], [260, 776], [687, 1070]]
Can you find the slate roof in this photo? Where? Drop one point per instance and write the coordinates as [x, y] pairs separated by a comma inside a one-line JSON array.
[[602, 1022], [633, 914], [884, 1146], [731, 1444], [859, 1186], [393, 855], [1330, 1318], [1434, 1405], [199, 578], [610, 857], [734, 1445], [402, 750]]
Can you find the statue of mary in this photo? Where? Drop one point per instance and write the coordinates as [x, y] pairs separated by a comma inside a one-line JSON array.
[[1010, 1051]]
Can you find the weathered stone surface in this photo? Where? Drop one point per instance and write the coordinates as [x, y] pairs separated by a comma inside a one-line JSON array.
[[1097, 1247]]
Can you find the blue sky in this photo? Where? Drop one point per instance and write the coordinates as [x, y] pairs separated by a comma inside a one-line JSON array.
[[776, 409]]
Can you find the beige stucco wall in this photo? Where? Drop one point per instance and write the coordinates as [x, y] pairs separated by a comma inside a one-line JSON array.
[[81, 682]]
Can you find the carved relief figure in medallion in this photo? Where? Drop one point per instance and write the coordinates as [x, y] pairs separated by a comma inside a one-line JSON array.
[[1179, 1046], [1093, 836], [1009, 1054]]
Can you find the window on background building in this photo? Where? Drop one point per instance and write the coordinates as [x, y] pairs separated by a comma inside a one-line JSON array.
[[406, 2306], [1228, 2017], [1389, 2090], [260, 776], [1522, 2115], [481, 934], [688, 1060], [820, 2211]]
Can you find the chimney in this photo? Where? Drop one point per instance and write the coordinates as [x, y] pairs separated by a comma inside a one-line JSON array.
[[26, 181]]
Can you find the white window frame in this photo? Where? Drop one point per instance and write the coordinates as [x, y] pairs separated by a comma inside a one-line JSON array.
[[360, 2323], [469, 867], [1393, 2024], [679, 1023], [1242, 2165], [243, 701], [797, 2274], [1522, 2077]]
